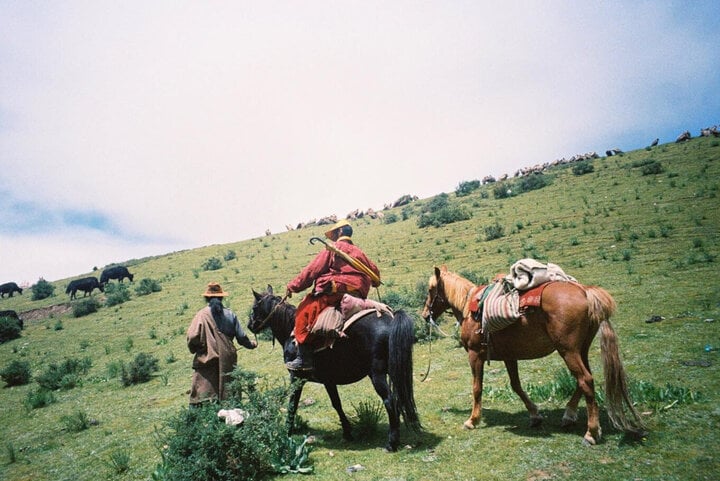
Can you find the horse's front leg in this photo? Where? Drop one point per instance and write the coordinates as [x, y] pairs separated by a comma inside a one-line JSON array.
[[477, 368], [293, 402], [335, 400], [512, 369]]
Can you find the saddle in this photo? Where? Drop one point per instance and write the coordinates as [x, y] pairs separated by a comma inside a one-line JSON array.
[[332, 322]]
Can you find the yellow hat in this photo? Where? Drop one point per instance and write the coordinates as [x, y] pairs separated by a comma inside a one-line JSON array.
[[336, 226], [214, 290]]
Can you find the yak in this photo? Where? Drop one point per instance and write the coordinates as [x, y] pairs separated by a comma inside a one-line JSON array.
[[86, 284], [9, 288], [117, 272]]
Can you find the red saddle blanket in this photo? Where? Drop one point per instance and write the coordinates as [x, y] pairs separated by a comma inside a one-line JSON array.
[[533, 297]]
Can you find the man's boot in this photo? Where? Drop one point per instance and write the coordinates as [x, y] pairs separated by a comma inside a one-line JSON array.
[[303, 361]]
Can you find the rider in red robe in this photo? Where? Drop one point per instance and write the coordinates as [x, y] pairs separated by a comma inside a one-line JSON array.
[[333, 276]]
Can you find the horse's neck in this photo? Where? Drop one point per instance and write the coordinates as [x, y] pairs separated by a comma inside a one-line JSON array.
[[458, 297], [283, 323]]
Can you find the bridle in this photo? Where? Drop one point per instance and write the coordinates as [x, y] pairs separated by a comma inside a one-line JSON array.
[[267, 318]]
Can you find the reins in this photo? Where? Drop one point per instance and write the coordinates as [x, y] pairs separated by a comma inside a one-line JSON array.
[[267, 318]]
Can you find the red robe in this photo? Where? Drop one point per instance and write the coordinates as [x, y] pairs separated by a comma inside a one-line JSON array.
[[333, 276]]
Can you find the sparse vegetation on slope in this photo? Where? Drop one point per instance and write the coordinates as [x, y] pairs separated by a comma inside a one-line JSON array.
[[649, 235]]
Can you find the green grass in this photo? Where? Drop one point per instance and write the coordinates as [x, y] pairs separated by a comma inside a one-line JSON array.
[[651, 239]]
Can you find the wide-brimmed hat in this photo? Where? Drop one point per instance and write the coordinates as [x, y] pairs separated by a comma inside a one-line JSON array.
[[214, 290], [336, 226]]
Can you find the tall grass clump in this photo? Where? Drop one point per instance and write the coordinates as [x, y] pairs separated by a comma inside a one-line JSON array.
[[65, 375]]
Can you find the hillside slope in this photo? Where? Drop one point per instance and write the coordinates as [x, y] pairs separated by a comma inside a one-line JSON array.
[[644, 225]]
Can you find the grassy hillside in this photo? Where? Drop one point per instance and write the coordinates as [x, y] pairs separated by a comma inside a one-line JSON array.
[[644, 225]]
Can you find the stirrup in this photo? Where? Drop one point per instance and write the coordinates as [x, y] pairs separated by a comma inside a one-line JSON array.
[[297, 365]]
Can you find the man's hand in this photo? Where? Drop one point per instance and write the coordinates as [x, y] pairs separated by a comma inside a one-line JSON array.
[[288, 293]]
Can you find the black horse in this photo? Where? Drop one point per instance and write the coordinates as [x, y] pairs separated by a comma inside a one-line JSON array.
[[375, 346]]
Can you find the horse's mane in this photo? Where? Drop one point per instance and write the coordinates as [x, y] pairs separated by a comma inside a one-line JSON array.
[[456, 289]]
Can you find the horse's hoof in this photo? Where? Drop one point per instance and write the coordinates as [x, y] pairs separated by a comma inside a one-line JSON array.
[[535, 421], [390, 449], [468, 425], [588, 440]]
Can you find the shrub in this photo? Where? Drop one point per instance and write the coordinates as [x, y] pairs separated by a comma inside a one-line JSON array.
[[116, 293], [390, 218], [65, 375], [495, 231], [212, 264], [147, 286], [652, 168], [139, 370], [467, 187], [17, 373], [230, 255], [503, 190], [582, 168], [9, 329], [199, 445], [533, 182], [85, 307], [39, 398], [443, 216], [42, 290]]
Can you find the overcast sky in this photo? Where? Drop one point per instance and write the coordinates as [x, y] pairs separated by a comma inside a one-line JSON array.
[[136, 128]]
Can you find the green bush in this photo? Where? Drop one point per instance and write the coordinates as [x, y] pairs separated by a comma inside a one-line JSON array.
[[652, 168], [9, 329], [17, 373], [116, 293], [212, 264], [533, 182], [199, 445], [65, 375], [503, 190], [42, 290], [582, 168], [39, 398], [147, 286], [494, 231], [443, 216], [230, 255], [390, 218], [85, 307], [140, 370], [467, 188]]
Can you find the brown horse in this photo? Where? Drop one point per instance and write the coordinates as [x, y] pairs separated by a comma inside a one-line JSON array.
[[567, 321]]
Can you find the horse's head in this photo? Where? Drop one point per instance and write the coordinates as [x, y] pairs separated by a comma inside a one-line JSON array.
[[436, 302], [262, 309]]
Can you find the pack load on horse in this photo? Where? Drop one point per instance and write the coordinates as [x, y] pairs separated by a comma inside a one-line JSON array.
[[375, 343], [551, 312]]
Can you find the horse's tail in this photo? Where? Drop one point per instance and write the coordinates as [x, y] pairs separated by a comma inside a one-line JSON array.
[[601, 305], [400, 368], [616, 386]]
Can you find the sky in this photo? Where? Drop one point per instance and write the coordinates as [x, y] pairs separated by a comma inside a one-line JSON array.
[[134, 128]]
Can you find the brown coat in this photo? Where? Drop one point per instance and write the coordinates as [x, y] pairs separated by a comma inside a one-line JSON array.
[[215, 357]]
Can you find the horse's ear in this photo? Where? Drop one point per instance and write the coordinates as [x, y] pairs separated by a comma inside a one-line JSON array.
[[257, 296], [270, 290], [437, 272]]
